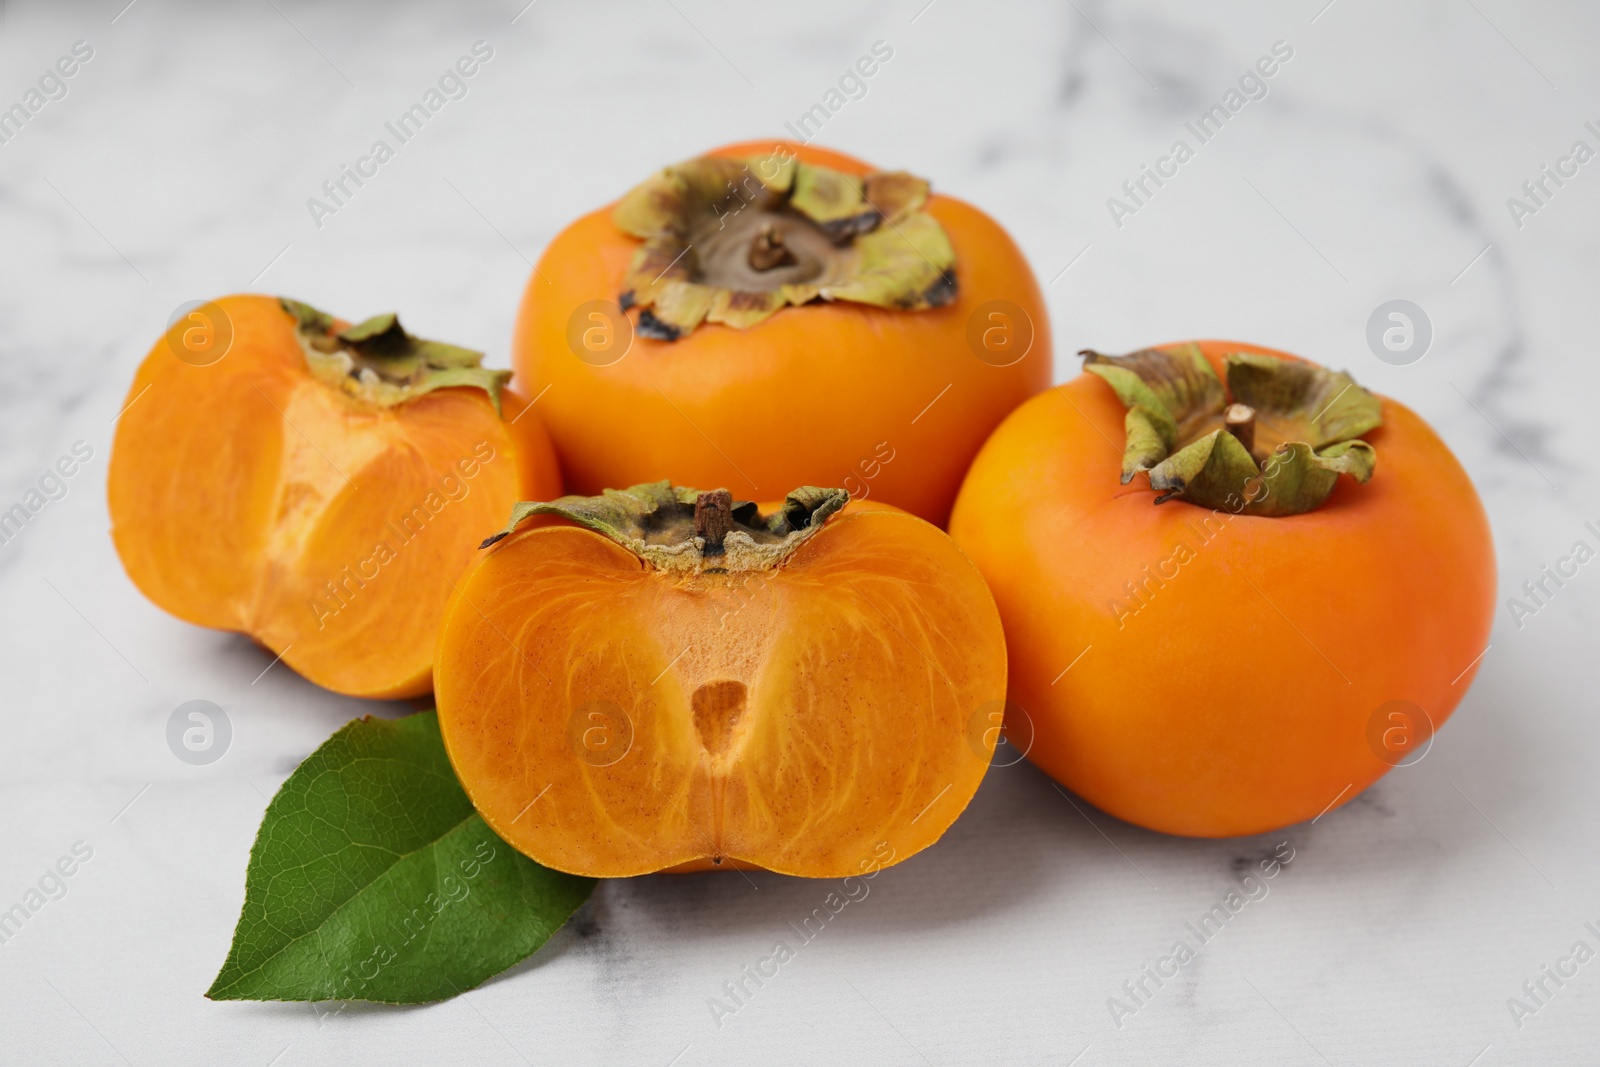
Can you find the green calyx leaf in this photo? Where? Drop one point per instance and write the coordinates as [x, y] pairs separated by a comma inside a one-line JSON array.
[[1273, 443], [734, 241], [372, 878], [1167, 396], [1302, 401], [681, 529], [380, 363]]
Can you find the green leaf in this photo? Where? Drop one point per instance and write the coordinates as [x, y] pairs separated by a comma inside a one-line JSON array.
[[372, 878]]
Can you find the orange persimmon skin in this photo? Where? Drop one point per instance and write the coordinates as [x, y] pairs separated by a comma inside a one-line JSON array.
[[888, 404], [865, 666], [1234, 695], [246, 495]]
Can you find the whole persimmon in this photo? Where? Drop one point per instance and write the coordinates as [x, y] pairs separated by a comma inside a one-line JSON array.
[[663, 679], [315, 484], [1305, 606], [772, 315]]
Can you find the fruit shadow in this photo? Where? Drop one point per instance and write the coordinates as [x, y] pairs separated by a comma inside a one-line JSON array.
[[1013, 825], [295, 715], [1022, 838]]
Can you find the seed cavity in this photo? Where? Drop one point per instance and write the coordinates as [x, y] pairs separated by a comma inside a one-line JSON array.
[[717, 708]]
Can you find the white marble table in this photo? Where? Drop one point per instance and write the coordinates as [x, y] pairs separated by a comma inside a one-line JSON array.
[[1378, 166]]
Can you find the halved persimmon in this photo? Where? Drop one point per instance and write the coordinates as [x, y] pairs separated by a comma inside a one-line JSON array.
[[659, 678], [1306, 605], [774, 314], [316, 485]]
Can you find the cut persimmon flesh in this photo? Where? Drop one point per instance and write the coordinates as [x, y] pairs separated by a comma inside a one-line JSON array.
[[663, 679], [315, 485]]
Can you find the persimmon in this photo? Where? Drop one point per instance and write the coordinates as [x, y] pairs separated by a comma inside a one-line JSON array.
[[658, 678], [1306, 605], [316, 485], [774, 314]]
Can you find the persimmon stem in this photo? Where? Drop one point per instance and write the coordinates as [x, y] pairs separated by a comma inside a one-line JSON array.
[[767, 250], [1240, 420], [713, 518]]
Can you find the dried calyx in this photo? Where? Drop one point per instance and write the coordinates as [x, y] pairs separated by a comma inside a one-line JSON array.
[[1274, 442], [733, 241], [378, 362], [680, 529]]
